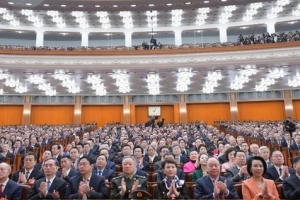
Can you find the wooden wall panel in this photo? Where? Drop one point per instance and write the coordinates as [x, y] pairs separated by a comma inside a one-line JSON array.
[[102, 114], [58, 114], [263, 110], [296, 109], [208, 112], [11, 115], [141, 113]]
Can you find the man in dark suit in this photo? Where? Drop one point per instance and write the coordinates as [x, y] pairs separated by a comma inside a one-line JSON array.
[[46, 155], [295, 146], [66, 171], [26, 145], [141, 163], [291, 185], [46, 139], [87, 185], [17, 148], [88, 152], [110, 165], [28, 174], [214, 186], [55, 149], [6, 153], [101, 170], [163, 150], [128, 182], [238, 172], [50, 187], [180, 159], [33, 142], [12, 190], [126, 151], [278, 172]]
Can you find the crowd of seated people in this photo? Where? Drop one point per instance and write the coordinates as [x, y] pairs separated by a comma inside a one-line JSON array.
[[115, 161], [268, 38]]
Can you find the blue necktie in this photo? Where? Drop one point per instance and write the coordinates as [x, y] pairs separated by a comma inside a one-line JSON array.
[[100, 172], [48, 184]]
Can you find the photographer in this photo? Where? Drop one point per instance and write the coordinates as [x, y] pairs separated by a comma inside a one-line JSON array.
[[289, 126]]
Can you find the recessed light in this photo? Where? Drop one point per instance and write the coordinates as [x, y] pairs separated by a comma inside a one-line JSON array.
[[115, 6], [205, 1], [285, 66], [28, 4], [63, 5], [49, 73], [151, 72], [80, 6], [90, 73], [262, 68], [238, 69], [223, 0], [218, 70], [46, 5], [133, 5], [173, 72], [11, 3], [70, 73], [244, 27], [187, 3], [97, 6], [151, 5], [292, 22], [169, 4], [28, 73], [20, 31], [110, 73], [195, 71]]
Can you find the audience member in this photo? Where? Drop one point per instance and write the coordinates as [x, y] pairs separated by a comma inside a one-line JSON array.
[[160, 174], [190, 166], [10, 189], [201, 169], [258, 187], [101, 170], [291, 185], [238, 172], [214, 186], [230, 157], [66, 170]]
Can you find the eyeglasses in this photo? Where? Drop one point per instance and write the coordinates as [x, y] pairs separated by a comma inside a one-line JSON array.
[[83, 164], [48, 165]]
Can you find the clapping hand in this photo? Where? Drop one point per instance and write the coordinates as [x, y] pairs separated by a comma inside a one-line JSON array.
[[22, 178], [135, 185], [43, 189], [216, 189], [123, 187]]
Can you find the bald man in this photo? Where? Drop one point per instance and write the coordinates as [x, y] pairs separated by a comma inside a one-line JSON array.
[[214, 186], [8, 188]]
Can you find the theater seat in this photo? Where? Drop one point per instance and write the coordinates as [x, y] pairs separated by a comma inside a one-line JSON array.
[[25, 192], [238, 188], [152, 177], [280, 191]]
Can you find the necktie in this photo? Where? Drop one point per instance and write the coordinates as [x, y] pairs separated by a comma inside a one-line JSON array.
[[100, 172], [27, 175], [48, 184], [299, 146], [1, 190], [280, 171]]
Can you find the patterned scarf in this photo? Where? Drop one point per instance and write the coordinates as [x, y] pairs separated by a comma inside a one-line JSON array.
[[178, 182]]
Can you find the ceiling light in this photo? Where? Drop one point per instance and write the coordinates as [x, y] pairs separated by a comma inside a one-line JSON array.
[[11, 83], [3, 76], [205, 1], [21, 89], [169, 4], [1, 91], [115, 6], [285, 66], [80, 6], [61, 76], [151, 5], [261, 88], [244, 27], [73, 89], [11, 3], [249, 70], [89, 73], [97, 6], [133, 5], [63, 5], [184, 80], [28, 4], [36, 79], [50, 92], [44, 86], [49, 73], [276, 73], [187, 3], [20, 32], [122, 81], [223, 0], [70, 73], [46, 5], [153, 83]]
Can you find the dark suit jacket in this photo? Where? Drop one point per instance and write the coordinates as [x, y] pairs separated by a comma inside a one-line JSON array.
[[97, 185], [107, 173], [36, 174], [161, 192], [146, 166], [71, 174], [291, 187], [204, 188], [28, 148], [21, 151], [111, 165], [157, 165], [273, 174], [233, 174], [58, 184], [12, 191], [147, 159], [44, 142], [294, 147], [38, 166], [161, 175], [222, 159]]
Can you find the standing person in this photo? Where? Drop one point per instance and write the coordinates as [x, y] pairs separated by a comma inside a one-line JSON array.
[[257, 187], [214, 186], [87, 184], [171, 186], [50, 187], [10, 189], [129, 182]]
